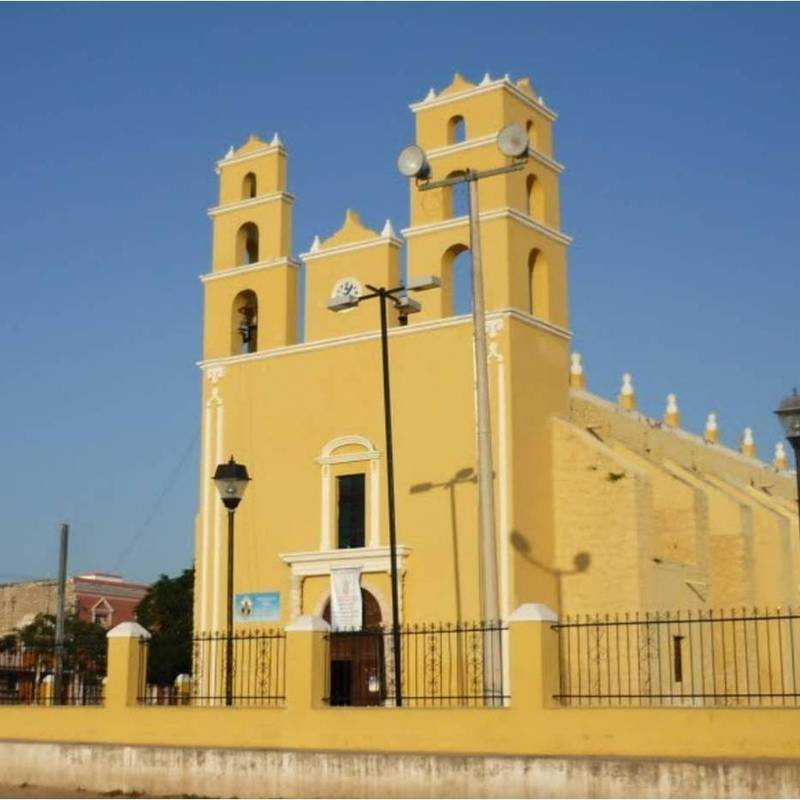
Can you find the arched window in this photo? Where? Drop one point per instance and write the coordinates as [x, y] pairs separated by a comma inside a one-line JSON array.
[[249, 186], [531, 129], [537, 284], [456, 198], [534, 192], [456, 281], [244, 324], [456, 129], [247, 244]]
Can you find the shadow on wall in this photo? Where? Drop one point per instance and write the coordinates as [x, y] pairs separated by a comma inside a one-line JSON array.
[[464, 475], [580, 563]]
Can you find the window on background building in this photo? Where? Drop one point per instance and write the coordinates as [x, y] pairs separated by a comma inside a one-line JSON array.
[[351, 510]]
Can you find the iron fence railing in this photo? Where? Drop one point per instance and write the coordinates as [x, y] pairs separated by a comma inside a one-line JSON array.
[[258, 672], [28, 674], [442, 664], [743, 657]]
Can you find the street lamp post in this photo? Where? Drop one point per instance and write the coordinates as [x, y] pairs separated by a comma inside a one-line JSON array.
[[413, 163], [231, 480], [405, 306], [788, 412]]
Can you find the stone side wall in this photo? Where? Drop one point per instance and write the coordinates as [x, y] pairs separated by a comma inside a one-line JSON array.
[[19, 602]]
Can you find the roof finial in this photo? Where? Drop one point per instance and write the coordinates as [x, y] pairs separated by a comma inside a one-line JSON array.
[[276, 141], [627, 397], [316, 245], [711, 433], [672, 415], [388, 231], [577, 380], [229, 154], [430, 96], [748, 444], [781, 462], [487, 78]]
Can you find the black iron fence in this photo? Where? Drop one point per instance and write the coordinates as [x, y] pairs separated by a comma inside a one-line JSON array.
[[744, 657], [28, 674], [254, 660], [455, 664]]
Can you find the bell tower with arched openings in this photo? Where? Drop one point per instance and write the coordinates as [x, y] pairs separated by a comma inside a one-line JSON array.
[[251, 291], [524, 250]]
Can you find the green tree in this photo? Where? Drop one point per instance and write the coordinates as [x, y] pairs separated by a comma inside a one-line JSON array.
[[166, 611]]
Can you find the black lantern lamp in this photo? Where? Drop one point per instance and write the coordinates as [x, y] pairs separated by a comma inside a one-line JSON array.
[[231, 480]]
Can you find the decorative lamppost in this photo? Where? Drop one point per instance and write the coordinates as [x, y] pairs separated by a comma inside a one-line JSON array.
[[512, 141], [231, 480], [788, 412], [405, 305]]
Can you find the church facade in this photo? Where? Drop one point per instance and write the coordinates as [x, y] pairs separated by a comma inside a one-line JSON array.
[[598, 508]]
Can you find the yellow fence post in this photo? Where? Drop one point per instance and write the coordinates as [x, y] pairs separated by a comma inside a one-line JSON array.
[[306, 662], [534, 656], [127, 664]]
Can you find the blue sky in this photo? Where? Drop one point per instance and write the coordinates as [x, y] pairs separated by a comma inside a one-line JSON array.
[[679, 126]]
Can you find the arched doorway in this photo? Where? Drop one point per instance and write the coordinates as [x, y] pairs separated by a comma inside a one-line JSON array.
[[357, 663]]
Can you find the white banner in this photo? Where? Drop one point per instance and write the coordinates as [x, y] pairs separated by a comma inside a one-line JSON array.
[[346, 598]]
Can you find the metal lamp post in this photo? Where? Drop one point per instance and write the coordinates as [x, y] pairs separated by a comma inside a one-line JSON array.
[[412, 162], [231, 480], [788, 412], [405, 305]]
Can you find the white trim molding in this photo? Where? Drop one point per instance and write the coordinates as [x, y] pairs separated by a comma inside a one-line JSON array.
[[409, 330], [256, 266], [499, 213], [313, 255], [262, 151], [502, 83], [489, 138], [251, 201]]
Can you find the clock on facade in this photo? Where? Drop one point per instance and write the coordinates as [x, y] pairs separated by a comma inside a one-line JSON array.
[[347, 287]]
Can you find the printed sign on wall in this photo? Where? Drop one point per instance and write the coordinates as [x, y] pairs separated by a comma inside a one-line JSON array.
[[257, 607], [346, 598]]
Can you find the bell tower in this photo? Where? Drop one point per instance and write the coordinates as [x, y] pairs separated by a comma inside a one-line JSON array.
[[251, 291], [524, 251]]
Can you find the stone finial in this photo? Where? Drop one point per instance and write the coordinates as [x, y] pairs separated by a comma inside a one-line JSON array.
[[748, 444], [487, 79], [388, 230], [229, 154], [541, 100], [627, 397], [507, 78], [315, 245], [276, 141], [430, 96], [672, 415], [711, 433], [781, 462], [577, 380]]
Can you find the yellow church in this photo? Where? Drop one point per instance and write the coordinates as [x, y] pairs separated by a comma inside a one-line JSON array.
[[598, 508]]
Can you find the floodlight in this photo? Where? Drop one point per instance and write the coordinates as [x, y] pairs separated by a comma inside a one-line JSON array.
[[412, 162], [513, 140], [406, 305], [422, 283]]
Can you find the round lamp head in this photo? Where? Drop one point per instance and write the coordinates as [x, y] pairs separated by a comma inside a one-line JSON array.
[[412, 162], [231, 480], [513, 140], [788, 412]]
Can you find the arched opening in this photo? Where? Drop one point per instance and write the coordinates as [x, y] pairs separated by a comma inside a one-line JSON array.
[[535, 198], [456, 281], [537, 284], [247, 244], [456, 129], [456, 198], [249, 186], [244, 326], [531, 130], [357, 662]]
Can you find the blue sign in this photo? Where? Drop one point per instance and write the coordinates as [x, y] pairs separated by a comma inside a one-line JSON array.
[[257, 607]]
